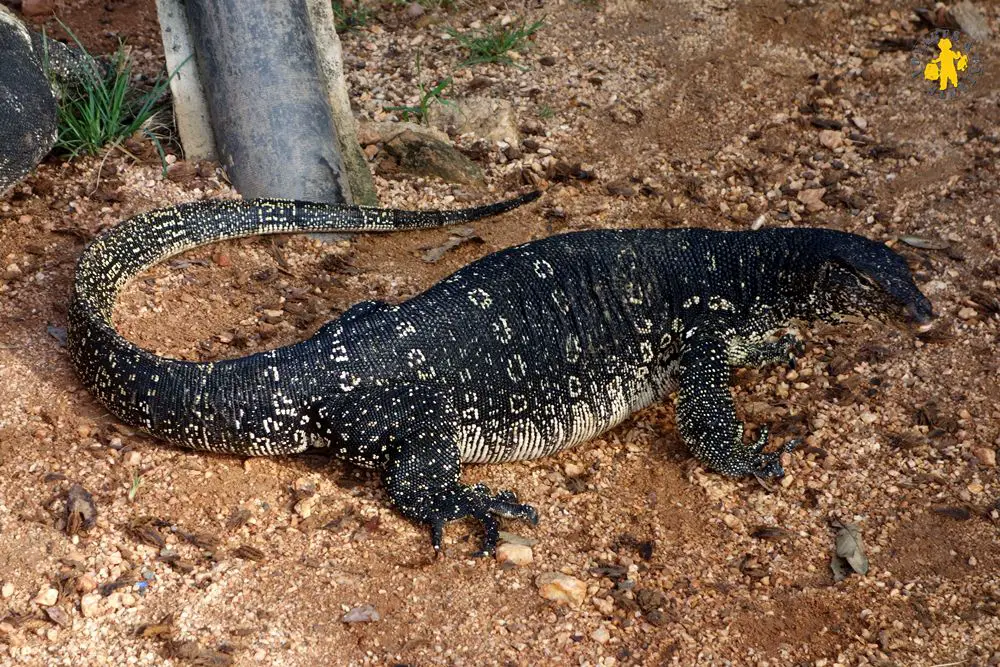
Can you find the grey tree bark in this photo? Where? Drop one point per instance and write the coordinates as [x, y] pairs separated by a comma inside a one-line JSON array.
[[275, 95]]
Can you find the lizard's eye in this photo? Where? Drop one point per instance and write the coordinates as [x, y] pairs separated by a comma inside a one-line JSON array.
[[866, 280]]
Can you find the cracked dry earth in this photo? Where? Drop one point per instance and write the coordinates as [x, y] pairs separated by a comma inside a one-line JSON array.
[[721, 114]]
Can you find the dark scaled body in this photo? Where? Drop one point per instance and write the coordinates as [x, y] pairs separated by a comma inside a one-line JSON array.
[[515, 356]]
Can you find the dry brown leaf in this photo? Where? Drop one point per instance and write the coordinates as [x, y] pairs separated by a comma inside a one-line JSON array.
[[850, 554]]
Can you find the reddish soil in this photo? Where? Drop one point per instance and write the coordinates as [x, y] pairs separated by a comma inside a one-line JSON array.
[[688, 113]]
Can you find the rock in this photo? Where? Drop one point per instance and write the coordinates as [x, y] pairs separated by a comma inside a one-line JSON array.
[[371, 132], [601, 635], [132, 460], [869, 417], [514, 538], [970, 19], [89, 604], [859, 122], [516, 554], [86, 583], [650, 599], [812, 199], [47, 597], [362, 614], [7, 590], [38, 7], [486, 117], [414, 10], [421, 154], [573, 470], [831, 139], [304, 508], [547, 61], [561, 588], [182, 172], [967, 313], [986, 456], [58, 616]]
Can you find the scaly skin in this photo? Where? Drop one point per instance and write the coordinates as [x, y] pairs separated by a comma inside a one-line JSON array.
[[515, 356]]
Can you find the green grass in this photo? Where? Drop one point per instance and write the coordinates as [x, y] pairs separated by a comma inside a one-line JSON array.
[[546, 112], [355, 15], [446, 5], [494, 43], [429, 95], [104, 107]]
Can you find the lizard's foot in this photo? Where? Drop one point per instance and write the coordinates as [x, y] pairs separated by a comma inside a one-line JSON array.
[[785, 350], [768, 464], [459, 502], [793, 348]]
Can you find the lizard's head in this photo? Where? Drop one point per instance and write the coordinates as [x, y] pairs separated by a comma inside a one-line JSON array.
[[858, 277]]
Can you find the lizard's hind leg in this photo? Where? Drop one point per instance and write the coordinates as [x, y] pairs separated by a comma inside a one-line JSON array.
[[404, 432], [422, 479]]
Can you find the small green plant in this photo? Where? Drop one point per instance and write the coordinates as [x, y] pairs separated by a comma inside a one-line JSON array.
[[546, 112], [494, 43], [133, 489], [103, 107], [352, 16], [429, 95]]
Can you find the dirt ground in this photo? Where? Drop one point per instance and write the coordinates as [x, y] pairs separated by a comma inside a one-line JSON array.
[[721, 114]]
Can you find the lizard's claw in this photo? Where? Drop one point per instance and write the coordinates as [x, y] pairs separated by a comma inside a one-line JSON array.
[[478, 503], [770, 462], [794, 348]]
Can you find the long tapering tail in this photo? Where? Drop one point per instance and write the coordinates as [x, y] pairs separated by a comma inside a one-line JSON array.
[[209, 405], [121, 253]]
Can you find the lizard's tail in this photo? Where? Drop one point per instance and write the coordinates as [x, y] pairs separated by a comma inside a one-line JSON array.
[[123, 252], [210, 405]]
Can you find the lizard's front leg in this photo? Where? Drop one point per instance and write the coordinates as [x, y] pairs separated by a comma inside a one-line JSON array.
[[422, 479], [706, 416]]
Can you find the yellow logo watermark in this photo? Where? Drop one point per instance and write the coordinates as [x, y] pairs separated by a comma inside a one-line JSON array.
[[946, 63], [945, 68]]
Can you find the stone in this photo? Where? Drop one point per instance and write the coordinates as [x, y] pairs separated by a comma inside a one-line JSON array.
[[601, 635], [485, 117], [304, 508], [38, 7], [561, 588], [515, 554], [414, 10], [986, 456], [47, 597], [182, 172], [89, 604], [379, 132], [831, 139], [970, 19], [967, 313], [7, 590], [420, 154], [362, 614], [812, 199], [86, 583]]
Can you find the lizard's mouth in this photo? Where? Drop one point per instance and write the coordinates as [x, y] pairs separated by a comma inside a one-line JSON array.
[[919, 314]]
